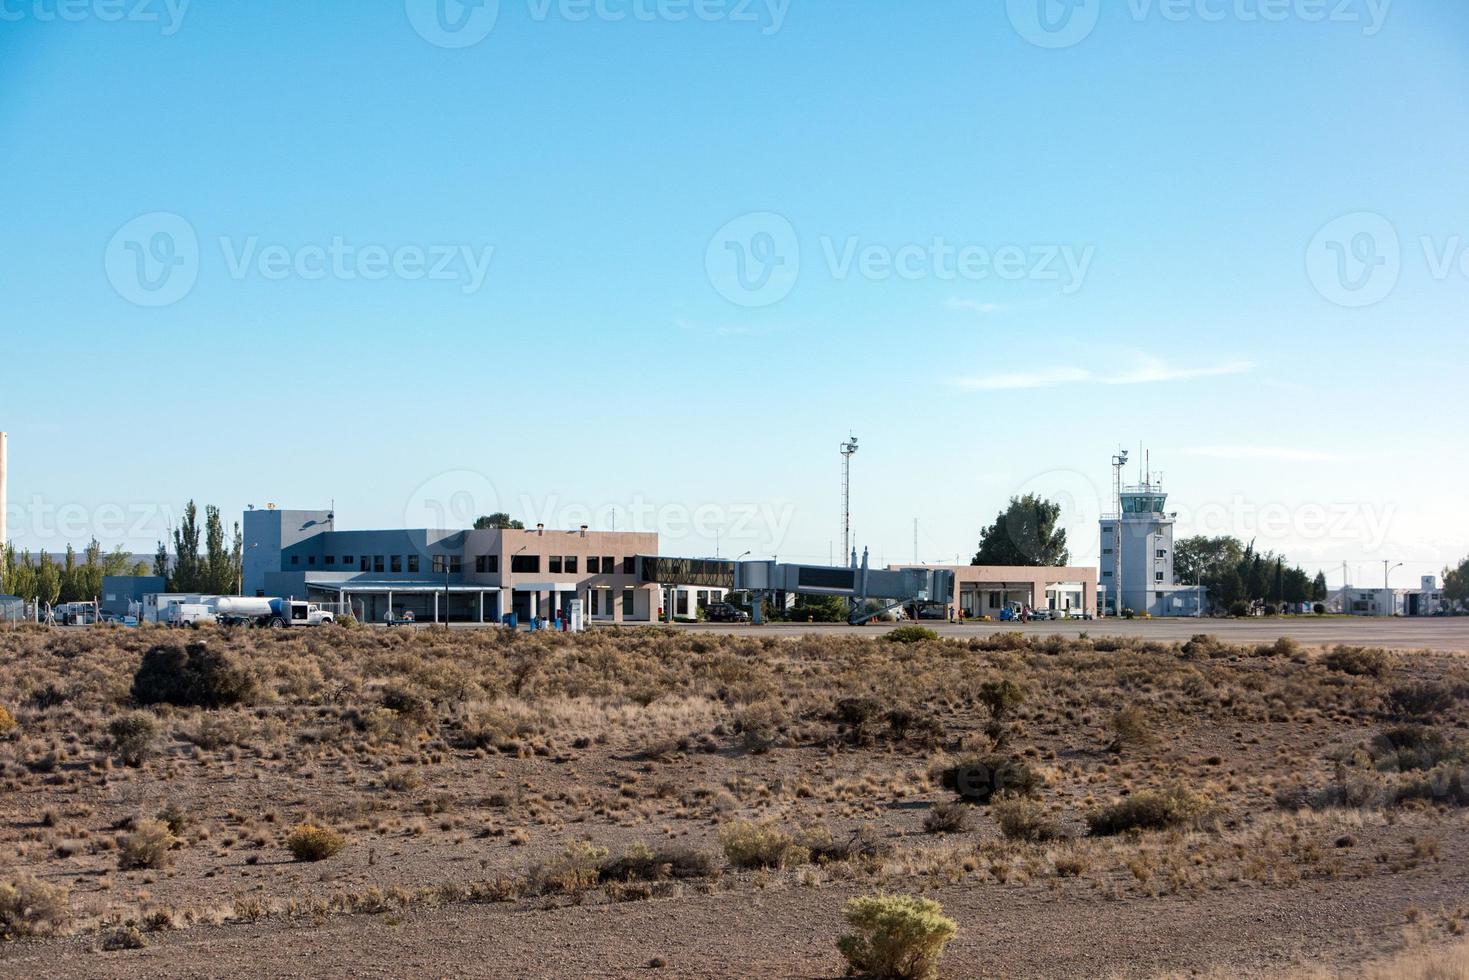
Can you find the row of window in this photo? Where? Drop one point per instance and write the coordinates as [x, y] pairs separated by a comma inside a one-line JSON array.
[[368, 563], [483, 564], [602, 600]]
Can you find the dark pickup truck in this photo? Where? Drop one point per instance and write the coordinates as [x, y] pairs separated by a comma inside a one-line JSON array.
[[724, 612]]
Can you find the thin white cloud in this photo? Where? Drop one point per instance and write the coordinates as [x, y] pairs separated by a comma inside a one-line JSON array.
[[1048, 378], [1150, 370], [1153, 370], [725, 330], [1289, 453], [974, 306]]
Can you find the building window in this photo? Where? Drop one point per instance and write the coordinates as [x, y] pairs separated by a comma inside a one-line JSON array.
[[377, 563], [994, 600], [364, 565], [1107, 573], [592, 599], [311, 559], [413, 563], [522, 564], [295, 559], [1106, 551], [571, 564], [1157, 576], [555, 565], [629, 565], [1106, 529], [487, 564], [681, 607], [594, 565], [628, 602], [608, 565], [397, 564], [348, 559], [446, 563], [1162, 553], [331, 559]]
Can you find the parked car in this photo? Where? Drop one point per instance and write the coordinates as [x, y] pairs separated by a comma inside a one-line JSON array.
[[725, 612]]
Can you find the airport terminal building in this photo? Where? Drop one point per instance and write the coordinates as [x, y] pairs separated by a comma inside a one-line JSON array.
[[479, 575]]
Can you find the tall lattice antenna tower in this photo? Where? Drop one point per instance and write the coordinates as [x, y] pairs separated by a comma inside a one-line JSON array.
[[848, 450]]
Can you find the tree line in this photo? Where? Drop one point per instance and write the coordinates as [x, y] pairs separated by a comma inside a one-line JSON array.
[[1234, 572], [215, 571], [42, 577]]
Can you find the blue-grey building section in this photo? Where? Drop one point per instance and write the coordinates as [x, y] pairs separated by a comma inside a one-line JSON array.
[[1144, 579], [120, 590]]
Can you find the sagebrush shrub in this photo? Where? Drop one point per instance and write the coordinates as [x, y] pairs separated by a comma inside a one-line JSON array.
[[1150, 810], [896, 937], [977, 778], [1130, 729], [308, 842], [1025, 820], [948, 818], [763, 844], [7, 721], [577, 869], [147, 846], [643, 863], [1357, 661], [133, 735], [191, 676], [1423, 699], [910, 634], [31, 908]]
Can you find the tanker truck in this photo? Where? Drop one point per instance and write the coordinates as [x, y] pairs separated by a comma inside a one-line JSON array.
[[275, 613]]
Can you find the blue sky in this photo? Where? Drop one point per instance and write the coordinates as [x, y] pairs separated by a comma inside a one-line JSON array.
[[1230, 230]]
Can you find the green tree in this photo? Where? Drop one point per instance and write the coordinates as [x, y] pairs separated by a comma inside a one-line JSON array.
[[1024, 533], [1318, 588], [188, 572], [1456, 584], [160, 561], [48, 579], [499, 521], [1204, 559]]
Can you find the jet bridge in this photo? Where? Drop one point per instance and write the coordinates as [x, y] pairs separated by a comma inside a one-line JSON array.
[[858, 583]]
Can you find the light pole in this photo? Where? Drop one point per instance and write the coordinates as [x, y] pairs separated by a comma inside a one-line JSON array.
[[848, 450], [1387, 596]]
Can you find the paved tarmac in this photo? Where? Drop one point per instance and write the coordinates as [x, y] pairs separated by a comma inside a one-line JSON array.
[[1430, 633]]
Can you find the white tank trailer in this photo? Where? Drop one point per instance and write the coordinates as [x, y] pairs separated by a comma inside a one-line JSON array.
[[249, 610]]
